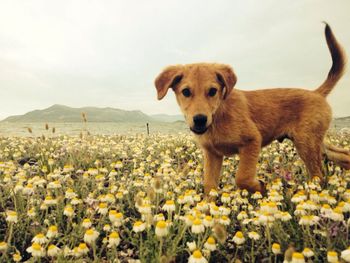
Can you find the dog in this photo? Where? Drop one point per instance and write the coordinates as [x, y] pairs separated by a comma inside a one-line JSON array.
[[227, 121]]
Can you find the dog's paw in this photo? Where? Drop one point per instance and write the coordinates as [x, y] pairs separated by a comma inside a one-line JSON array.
[[263, 189]]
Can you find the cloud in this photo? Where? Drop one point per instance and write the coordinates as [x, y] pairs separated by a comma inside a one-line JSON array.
[[108, 53]]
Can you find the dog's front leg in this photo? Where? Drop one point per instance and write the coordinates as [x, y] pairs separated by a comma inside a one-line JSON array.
[[212, 169], [246, 174]]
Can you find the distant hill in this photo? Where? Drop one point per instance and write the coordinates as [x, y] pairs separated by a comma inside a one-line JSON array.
[[343, 122], [61, 113], [167, 118]]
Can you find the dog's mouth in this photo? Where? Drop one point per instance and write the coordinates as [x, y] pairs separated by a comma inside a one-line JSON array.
[[199, 131]]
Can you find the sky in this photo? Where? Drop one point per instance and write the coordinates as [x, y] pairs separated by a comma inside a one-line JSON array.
[[108, 53]]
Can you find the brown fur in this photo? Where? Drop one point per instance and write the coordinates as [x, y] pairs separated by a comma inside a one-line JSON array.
[[244, 121]]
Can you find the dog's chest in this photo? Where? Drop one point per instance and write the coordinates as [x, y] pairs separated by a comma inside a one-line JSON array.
[[220, 148]]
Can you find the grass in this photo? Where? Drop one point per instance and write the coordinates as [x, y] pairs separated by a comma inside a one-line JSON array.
[[105, 195]]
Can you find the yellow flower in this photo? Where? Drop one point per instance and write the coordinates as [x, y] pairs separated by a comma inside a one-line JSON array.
[[276, 248], [197, 257], [239, 238]]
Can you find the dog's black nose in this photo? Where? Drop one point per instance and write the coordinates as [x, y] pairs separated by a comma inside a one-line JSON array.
[[200, 120]]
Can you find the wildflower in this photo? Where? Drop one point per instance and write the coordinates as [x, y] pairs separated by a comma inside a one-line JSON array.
[[113, 239], [52, 232], [285, 216], [253, 235], [68, 211], [208, 221], [307, 252], [214, 210], [86, 223], [239, 238], [210, 244], [40, 239], [3, 246], [197, 226], [332, 256], [169, 206], [90, 235], [70, 194], [161, 229], [298, 258], [49, 200], [337, 214], [225, 198], [106, 227], [139, 226], [54, 185], [31, 212], [242, 215], [197, 257], [53, 251], [11, 216], [83, 249], [308, 220], [159, 217], [36, 250], [276, 248], [191, 245], [102, 208], [17, 257], [345, 254], [256, 195], [224, 220]]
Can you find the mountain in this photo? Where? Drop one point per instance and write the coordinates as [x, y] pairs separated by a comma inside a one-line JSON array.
[[167, 118], [343, 122], [61, 113]]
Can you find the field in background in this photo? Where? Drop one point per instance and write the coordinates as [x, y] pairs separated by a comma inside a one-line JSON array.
[[120, 198], [75, 128]]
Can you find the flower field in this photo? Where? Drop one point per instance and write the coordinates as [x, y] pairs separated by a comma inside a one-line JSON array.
[[139, 198]]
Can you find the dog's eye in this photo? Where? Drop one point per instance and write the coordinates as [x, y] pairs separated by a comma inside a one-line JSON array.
[[212, 92], [186, 92]]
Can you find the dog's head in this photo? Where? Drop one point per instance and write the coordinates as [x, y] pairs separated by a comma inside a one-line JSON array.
[[199, 89]]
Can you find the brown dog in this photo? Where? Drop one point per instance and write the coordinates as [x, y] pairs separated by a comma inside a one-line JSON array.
[[227, 121]]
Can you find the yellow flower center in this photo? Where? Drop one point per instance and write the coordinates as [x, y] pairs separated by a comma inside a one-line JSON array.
[[114, 235], [297, 255], [332, 254], [161, 224], [40, 235], [239, 234], [51, 247], [138, 223], [89, 232], [276, 246], [208, 218], [36, 246], [197, 222], [197, 254], [103, 205], [82, 246], [119, 215], [211, 241], [169, 202]]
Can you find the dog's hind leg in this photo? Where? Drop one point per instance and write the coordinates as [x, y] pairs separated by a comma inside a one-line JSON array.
[[309, 150], [338, 155]]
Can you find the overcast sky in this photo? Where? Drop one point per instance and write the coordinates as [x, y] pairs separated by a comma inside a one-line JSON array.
[[108, 53]]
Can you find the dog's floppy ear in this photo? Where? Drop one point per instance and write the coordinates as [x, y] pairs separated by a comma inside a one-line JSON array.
[[170, 76], [226, 78]]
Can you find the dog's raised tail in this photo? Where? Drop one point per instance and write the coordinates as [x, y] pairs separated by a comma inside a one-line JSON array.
[[338, 65]]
